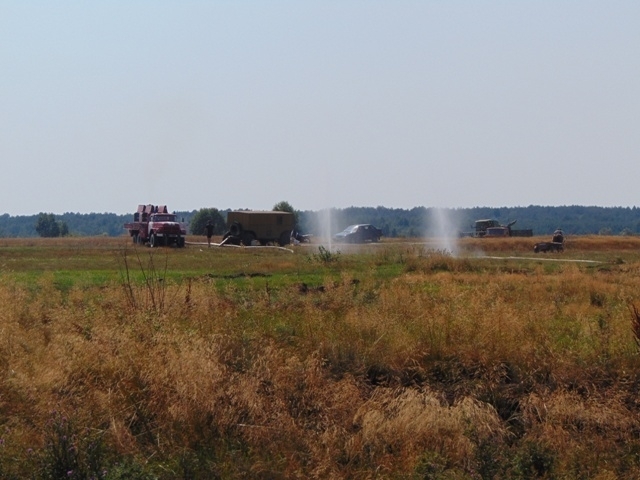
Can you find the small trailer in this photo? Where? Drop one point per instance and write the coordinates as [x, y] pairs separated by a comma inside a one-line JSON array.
[[545, 247], [153, 224]]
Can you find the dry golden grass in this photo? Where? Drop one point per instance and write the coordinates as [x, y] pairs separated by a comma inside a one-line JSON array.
[[445, 368], [582, 243]]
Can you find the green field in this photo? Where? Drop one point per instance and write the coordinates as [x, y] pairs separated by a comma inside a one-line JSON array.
[[392, 360]]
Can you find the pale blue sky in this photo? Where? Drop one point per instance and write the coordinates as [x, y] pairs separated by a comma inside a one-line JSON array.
[[242, 104]]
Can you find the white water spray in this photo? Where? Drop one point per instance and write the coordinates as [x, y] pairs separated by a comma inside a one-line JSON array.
[[443, 228], [326, 228]]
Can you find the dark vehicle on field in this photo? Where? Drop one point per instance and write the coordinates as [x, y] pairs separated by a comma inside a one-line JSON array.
[[361, 233], [492, 228], [555, 245], [153, 224], [259, 227], [545, 247]]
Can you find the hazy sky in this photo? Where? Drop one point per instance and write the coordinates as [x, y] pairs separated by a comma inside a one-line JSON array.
[[333, 103]]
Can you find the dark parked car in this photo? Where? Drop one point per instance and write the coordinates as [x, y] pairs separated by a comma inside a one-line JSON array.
[[358, 234]]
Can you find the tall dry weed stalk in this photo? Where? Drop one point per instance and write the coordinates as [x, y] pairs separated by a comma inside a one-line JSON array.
[[153, 294], [635, 324]]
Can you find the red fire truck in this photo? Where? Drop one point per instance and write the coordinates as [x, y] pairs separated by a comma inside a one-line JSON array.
[[153, 224]]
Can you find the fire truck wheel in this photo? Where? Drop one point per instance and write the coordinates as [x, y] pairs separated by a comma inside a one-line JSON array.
[[134, 237], [153, 240]]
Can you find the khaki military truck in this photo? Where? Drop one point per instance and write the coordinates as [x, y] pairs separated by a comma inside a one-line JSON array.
[[259, 227], [493, 228]]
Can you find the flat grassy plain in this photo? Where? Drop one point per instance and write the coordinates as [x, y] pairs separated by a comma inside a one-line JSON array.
[[393, 360]]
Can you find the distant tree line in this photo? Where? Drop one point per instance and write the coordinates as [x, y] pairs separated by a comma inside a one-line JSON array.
[[422, 221], [394, 222]]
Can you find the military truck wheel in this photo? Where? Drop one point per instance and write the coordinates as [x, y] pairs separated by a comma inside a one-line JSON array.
[[153, 240], [285, 239], [235, 229], [248, 238]]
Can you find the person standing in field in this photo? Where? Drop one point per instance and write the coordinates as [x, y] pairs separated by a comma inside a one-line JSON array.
[[558, 236], [209, 231]]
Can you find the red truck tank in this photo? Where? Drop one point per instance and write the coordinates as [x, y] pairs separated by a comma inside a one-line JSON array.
[[153, 224]]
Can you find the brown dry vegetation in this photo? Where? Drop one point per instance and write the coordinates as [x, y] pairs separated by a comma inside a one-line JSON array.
[[396, 362]]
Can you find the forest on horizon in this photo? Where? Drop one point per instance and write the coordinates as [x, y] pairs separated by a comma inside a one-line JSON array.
[[394, 222]]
